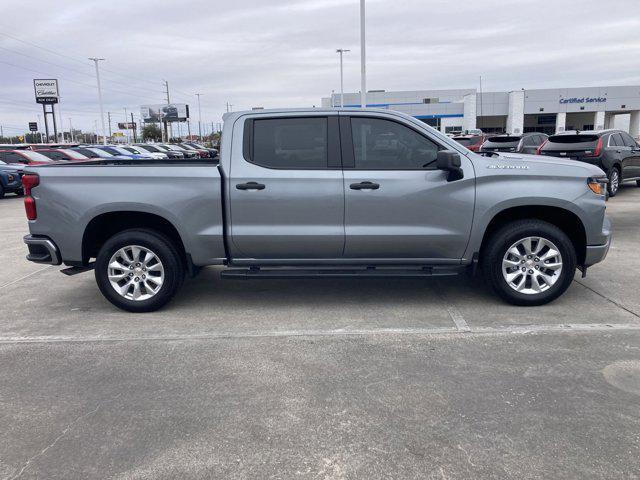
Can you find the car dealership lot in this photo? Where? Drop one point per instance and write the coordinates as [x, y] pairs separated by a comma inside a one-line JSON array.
[[327, 378]]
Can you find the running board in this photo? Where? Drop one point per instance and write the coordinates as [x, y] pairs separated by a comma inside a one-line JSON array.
[[78, 269], [370, 272]]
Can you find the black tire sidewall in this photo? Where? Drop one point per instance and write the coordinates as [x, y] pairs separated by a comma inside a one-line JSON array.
[[161, 246], [510, 234]]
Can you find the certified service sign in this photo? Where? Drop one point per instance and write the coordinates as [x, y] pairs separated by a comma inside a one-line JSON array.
[[46, 90]]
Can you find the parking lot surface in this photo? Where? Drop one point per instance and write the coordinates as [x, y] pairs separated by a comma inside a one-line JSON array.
[[431, 378]]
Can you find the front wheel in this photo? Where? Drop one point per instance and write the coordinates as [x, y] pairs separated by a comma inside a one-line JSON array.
[[529, 262], [139, 270]]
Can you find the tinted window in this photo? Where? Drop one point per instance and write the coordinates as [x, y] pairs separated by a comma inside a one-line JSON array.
[[529, 141], [11, 157], [386, 145], [615, 140], [628, 140], [290, 143], [466, 141], [87, 153], [509, 139]]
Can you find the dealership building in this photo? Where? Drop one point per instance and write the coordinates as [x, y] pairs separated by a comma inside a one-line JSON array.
[[541, 110]]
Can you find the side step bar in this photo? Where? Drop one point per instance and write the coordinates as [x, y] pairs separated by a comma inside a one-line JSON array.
[[370, 272]]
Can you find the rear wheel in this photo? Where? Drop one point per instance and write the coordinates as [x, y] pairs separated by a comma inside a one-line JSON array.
[[614, 181], [1, 191], [139, 270], [529, 262], [638, 183]]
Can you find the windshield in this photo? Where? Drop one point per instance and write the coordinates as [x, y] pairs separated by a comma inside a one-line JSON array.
[[74, 155], [101, 152], [149, 148], [35, 156]]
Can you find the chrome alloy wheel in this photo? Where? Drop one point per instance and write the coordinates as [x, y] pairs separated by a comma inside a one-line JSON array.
[[532, 265], [135, 273]]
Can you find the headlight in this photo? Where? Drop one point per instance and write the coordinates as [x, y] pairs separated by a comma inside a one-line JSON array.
[[10, 178], [597, 185]]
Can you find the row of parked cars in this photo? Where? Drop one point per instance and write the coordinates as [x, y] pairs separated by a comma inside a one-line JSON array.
[[13, 158], [614, 151]]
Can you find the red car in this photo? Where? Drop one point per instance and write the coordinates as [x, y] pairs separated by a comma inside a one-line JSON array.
[[62, 154], [472, 142], [26, 157]]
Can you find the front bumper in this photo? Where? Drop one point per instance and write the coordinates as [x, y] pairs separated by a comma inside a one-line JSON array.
[[42, 250], [597, 253]]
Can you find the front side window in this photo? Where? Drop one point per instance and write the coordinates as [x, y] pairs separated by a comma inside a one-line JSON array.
[[292, 143], [386, 145]]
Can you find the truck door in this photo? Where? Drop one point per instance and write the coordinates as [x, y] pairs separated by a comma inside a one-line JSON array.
[[286, 189], [397, 204]]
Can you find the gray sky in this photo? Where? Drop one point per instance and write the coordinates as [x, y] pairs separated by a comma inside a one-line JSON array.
[[276, 53]]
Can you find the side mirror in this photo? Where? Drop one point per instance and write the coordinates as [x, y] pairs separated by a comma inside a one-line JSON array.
[[449, 161]]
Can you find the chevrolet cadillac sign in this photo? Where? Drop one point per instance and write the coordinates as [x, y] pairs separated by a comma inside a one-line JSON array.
[[46, 90]]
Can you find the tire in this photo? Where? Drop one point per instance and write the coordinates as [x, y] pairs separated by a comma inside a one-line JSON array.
[[138, 252], [1, 191], [614, 181], [20, 193], [550, 284], [638, 183]]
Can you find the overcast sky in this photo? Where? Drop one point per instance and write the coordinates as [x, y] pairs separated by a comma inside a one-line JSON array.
[[277, 53]]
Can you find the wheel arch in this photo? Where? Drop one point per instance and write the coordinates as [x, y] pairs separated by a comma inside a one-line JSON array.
[[103, 226], [564, 219]]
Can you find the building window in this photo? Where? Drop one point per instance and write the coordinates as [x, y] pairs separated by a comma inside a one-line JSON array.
[[581, 108], [587, 127], [430, 100], [541, 109]]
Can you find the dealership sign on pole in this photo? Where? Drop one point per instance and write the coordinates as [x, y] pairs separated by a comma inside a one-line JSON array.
[[33, 126], [172, 112], [46, 91]]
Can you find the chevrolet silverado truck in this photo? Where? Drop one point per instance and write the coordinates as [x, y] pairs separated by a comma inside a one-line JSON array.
[[320, 193]]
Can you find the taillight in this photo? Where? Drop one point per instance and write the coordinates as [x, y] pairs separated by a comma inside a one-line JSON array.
[[540, 147], [30, 180], [597, 151]]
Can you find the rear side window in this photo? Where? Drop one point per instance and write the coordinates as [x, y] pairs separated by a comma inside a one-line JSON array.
[[615, 140], [11, 157], [628, 140], [385, 145], [290, 143], [54, 155]]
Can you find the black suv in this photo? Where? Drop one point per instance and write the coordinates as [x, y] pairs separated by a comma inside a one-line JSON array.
[[526, 143], [614, 151]]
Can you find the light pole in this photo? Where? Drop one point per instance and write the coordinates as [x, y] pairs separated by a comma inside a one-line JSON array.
[[125, 124], [199, 117], [363, 58], [104, 131], [71, 130], [342, 51]]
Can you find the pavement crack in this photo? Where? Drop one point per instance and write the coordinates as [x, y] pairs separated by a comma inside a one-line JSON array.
[[610, 300], [52, 444], [13, 282]]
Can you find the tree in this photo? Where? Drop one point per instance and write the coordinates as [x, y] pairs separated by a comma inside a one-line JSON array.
[[151, 132]]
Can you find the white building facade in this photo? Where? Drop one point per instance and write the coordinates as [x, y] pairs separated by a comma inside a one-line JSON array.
[[540, 110]]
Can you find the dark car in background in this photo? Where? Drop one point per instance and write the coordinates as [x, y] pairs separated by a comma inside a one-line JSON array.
[[10, 179], [472, 142], [526, 143], [63, 154], [614, 151]]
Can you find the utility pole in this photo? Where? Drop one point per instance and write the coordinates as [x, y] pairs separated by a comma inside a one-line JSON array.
[[166, 131], [109, 117], [363, 58], [104, 131], [342, 51], [199, 117], [229, 107], [70, 130], [133, 128], [126, 120]]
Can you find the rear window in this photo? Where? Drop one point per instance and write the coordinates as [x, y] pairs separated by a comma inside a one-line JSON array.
[[504, 140], [290, 143], [466, 141], [35, 156], [571, 142]]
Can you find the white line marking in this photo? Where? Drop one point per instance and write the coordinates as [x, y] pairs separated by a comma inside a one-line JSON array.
[[458, 319], [25, 277], [504, 330]]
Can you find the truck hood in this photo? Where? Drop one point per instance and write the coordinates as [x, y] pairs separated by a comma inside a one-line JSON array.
[[552, 165]]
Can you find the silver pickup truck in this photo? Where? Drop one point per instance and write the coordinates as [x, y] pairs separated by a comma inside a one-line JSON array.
[[321, 193]]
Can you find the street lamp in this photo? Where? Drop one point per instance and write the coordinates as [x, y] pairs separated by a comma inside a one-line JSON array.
[[342, 51], [199, 117], [104, 131], [363, 56]]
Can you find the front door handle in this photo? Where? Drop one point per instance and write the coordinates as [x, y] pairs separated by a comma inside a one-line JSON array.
[[364, 186], [250, 186]]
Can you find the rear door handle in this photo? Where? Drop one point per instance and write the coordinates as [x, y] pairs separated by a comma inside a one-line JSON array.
[[364, 186], [250, 186]]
